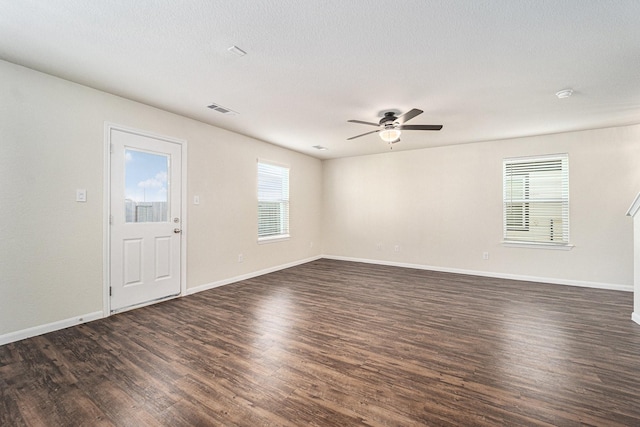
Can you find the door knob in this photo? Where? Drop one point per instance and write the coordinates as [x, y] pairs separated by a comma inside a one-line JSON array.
[[177, 230]]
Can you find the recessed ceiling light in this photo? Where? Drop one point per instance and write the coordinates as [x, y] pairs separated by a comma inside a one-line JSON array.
[[236, 50], [564, 93], [320, 147]]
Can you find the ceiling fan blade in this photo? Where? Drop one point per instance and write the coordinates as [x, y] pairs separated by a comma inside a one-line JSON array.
[[409, 115], [363, 123], [420, 127], [358, 136]]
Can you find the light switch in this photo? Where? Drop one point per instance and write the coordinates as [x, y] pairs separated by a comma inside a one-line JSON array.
[[196, 200], [81, 195]]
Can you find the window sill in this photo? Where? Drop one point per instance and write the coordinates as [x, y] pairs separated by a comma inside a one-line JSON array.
[[531, 245], [273, 239]]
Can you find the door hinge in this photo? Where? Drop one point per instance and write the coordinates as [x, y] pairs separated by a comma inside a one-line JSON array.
[[110, 288], [111, 148], [110, 219]]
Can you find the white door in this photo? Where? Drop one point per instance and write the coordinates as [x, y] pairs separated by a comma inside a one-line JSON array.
[[146, 222]]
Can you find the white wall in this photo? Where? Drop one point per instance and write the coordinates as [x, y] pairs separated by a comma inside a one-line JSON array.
[[224, 225], [51, 247], [443, 208]]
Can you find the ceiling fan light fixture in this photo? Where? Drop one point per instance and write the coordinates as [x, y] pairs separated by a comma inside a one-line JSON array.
[[390, 127], [390, 135]]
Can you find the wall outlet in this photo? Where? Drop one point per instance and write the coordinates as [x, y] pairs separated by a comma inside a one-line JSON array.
[[240, 258], [379, 246], [485, 255], [311, 245], [396, 248]]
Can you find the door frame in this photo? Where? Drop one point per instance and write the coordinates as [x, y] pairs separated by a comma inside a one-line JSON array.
[[106, 232]]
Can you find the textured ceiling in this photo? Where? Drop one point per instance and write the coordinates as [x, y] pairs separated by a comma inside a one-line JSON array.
[[485, 70]]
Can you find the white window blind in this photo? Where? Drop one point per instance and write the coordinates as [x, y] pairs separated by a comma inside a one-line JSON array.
[[536, 200], [273, 201]]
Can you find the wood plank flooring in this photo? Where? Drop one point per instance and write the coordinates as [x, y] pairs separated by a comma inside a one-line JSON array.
[[333, 343]]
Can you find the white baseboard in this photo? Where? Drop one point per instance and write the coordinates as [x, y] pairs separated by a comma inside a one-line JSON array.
[[554, 281], [55, 326], [251, 275], [49, 327]]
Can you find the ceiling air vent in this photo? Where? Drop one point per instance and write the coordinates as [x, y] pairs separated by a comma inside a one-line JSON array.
[[221, 109]]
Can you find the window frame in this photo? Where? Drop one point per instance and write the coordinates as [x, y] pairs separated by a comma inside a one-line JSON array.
[[283, 224], [535, 208]]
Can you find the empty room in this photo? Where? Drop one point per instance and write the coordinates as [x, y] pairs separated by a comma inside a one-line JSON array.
[[280, 213]]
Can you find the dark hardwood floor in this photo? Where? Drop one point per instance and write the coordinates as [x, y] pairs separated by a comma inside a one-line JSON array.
[[333, 343]]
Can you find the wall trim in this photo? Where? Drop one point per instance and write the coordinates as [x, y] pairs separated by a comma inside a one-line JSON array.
[[550, 280], [77, 320], [49, 327], [635, 317], [247, 276]]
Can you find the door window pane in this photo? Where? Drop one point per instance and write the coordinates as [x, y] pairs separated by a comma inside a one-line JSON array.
[[146, 187]]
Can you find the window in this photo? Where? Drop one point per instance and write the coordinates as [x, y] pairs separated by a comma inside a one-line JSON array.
[[536, 200], [146, 186], [273, 201]]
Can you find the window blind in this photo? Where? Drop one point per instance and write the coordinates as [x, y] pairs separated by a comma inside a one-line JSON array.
[[536, 200], [273, 201]]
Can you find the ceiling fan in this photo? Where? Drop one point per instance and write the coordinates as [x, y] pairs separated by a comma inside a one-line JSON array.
[[391, 126]]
